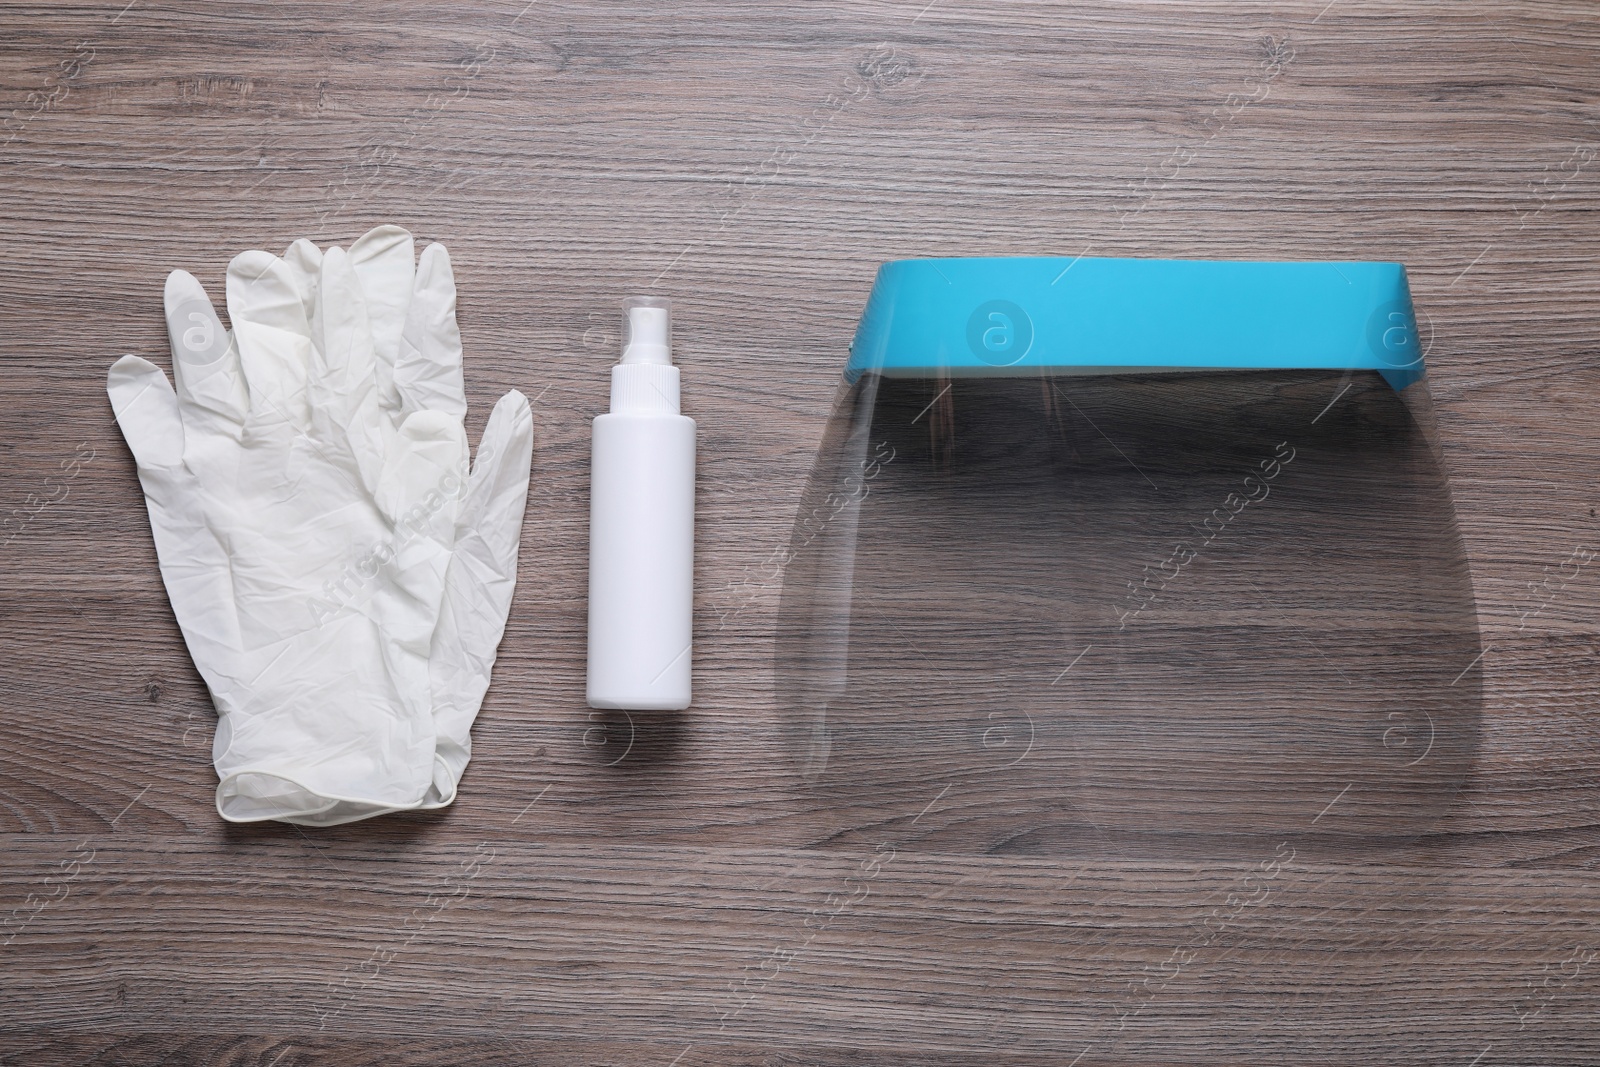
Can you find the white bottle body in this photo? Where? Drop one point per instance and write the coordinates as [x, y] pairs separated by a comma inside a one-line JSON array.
[[641, 557]]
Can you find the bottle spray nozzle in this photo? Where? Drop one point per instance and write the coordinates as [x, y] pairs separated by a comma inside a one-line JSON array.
[[647, 330]]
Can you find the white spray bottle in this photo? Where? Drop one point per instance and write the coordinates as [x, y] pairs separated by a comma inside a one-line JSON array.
[[641, 526]]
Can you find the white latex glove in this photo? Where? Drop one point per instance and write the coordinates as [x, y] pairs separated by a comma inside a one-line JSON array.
[[307, 491]]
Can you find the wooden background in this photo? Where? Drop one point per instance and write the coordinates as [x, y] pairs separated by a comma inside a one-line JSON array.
[[587, 903]]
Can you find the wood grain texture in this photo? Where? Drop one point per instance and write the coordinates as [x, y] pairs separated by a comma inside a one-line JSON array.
[[756, 163]]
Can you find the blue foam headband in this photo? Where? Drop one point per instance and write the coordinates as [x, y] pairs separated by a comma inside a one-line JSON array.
[[1020, 315]]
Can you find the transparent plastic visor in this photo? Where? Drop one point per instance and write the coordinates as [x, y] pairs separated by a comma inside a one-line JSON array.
[[1166, 613]]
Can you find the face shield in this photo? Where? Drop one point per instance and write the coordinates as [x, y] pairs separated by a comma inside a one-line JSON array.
[[1150, 557]]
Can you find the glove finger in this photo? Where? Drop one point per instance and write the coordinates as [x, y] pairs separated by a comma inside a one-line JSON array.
[[272, 335], [385, 261], [205, 361], [304, 261], [478, 588], [347, 406], [419, 493], [147, 411], [342, 330], [428, 372]]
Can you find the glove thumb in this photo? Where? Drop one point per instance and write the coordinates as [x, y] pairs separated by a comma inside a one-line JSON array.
[[491, 515], [147, 412]]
